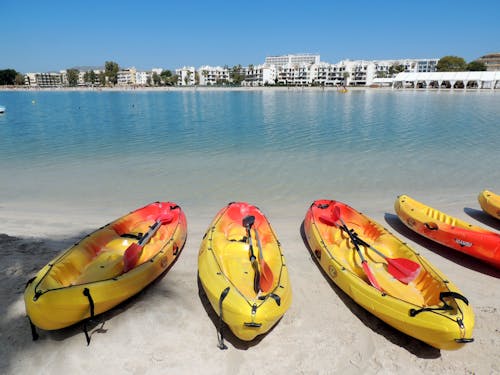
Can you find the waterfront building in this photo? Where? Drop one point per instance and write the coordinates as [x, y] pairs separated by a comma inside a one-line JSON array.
[[491, 61], [43, 80], [187, 76], [449, 80], [308, 70], [126, 77], [298, 59], [142, 78], [325, 74], [260, 75], [213, 75]]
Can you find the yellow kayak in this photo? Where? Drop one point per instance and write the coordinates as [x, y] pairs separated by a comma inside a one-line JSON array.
[[91, 277], [386, 277], [490, 203], [243, 271]]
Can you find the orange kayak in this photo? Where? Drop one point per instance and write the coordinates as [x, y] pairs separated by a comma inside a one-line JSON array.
[[449, 231]]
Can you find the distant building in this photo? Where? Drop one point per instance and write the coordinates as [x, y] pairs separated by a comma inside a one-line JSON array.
[[187, 76], [292, 59], [126, 77], [260, 75], [448, 80], [213, 75], [142, 78], [491, 61], [43, 80]]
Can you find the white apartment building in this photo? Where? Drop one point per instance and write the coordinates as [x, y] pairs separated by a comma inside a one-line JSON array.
[[294, 74], [213, 75], [325, 74], [299, 59], [141, 78], [187, 76], [260, 75]]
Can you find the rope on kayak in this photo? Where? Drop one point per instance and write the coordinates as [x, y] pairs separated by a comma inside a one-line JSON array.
[[86, 293], [220, 335], [445, 306]]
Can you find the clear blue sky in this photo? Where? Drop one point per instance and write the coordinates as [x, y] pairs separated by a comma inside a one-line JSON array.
[[39, 36]]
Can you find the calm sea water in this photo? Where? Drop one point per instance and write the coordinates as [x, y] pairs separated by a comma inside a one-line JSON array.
[[206, 148]]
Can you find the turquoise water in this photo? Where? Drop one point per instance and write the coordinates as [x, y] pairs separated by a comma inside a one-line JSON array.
[[269, 147]]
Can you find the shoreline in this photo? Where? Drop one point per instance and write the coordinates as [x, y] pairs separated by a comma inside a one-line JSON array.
[[237, 88]]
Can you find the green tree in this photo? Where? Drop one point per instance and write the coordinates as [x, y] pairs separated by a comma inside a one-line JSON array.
[[476, 66], [7, 76], [90, 77], [396, 68], [187, 78], [19, 79], [237, 75], [111, 70], [165, 77], [156, 79], [72, 77], [102, 78], [451, 64]]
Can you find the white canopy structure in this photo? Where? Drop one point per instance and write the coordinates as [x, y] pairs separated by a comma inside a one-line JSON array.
[[482, 80]]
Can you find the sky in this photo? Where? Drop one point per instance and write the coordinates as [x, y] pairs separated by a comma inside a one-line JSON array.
[[51, 35]]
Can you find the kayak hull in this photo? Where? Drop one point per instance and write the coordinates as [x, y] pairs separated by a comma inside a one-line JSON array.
[[227, 274], [412, 308], [448, 230], [88, 278], [490, 203]]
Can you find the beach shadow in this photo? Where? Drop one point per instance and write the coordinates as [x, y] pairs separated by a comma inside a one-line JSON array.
[[412, 345], [452, 255], [228, 335], [483, 218]]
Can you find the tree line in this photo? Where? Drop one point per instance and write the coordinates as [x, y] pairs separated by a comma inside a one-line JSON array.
[[166, 78]]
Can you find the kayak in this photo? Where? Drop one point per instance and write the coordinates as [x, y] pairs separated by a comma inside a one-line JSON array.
[[91, 276], [490, 203], [449, 231], [386, 277], [243, 271]]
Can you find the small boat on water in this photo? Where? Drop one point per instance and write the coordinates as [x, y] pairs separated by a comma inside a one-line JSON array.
[[243, 271], [449, 231], [386, 277], [490, 203], [106, 267]]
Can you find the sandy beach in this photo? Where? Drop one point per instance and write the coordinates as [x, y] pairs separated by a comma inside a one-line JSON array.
[[169, 328]]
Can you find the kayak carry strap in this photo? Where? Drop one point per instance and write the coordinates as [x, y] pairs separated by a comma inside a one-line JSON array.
[[86, 293], [445, 306], [34, 333], [220, 335]]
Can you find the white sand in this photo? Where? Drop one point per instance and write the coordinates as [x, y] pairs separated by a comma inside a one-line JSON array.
[[169, 328]]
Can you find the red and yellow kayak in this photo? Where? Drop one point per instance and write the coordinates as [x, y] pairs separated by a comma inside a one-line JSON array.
[[89, 278], [448, 230], [429, 307], [249, 294], [490, 203]]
